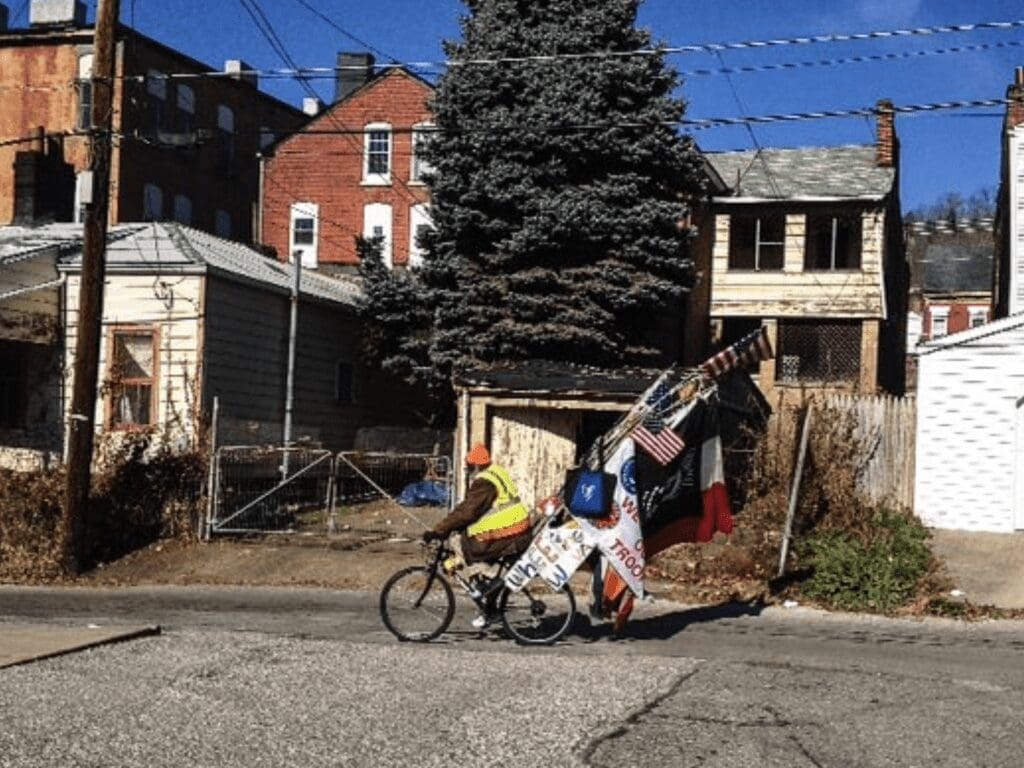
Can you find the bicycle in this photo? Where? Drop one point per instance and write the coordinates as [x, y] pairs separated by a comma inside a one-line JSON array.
[[532, 614]]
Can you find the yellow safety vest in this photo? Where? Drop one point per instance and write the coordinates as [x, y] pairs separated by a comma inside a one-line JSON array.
[[508, 516]]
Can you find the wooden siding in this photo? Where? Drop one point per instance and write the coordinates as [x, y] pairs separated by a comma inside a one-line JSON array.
[[536, 446], [135, 301], [534, 436], [886, 427], [246, 341], [968, 411], [792, 292], [31, 316]]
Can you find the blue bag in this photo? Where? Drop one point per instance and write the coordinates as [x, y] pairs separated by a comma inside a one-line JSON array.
[[589, 492]]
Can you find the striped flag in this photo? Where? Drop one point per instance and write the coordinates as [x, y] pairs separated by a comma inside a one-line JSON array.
[[663, 445], [752, 348]]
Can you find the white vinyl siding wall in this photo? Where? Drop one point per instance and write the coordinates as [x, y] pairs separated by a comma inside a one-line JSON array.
[[1016, 223], [132, 301], [967, 433]]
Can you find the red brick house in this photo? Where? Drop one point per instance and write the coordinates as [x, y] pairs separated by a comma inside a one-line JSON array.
[[187, 147], [352, 171]]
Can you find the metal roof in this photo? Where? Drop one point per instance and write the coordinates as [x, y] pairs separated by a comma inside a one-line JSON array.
[[169, 248], [804, 174]]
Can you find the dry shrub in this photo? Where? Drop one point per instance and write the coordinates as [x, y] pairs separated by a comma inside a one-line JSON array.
[[142, 490], [31, 505]]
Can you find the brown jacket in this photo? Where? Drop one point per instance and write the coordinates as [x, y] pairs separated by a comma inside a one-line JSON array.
[[476, 504]]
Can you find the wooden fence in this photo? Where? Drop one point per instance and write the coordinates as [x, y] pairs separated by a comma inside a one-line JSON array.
[[886, 425]]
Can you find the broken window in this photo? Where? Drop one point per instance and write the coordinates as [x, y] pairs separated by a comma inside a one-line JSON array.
[[132, 374], [833, 241], [820, 352], [757, 242]]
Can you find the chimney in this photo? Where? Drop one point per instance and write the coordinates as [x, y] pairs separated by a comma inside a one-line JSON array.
[[4, 17], [354, 70], [886, 143], [312, 106], [1015, 97], [239, 70], [56, 13]]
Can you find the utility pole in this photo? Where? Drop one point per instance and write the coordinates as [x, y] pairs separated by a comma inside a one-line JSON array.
[[90, 299], [293, 335]]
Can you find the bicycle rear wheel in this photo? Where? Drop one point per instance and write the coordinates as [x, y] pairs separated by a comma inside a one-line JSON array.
[[537, 614], [417, 604]]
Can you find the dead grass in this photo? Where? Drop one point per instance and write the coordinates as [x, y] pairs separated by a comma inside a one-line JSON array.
[[141, 492]]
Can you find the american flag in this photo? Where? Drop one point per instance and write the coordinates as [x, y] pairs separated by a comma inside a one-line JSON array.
[[752, 348], [653, 435]]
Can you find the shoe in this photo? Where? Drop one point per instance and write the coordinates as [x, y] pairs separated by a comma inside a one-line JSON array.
[[452, 564], [482, 621]]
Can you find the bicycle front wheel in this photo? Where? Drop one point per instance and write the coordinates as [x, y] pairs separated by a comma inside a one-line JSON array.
[[537, 614], [417, 604]]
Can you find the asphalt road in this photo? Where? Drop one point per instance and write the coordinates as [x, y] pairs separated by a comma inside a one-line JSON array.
[[283, 677]]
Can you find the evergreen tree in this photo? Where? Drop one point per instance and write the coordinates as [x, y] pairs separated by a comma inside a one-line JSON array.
[[396, 323], [557, 190]]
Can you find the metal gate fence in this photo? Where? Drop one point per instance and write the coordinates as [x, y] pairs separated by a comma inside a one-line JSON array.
[[273, 490], [260, 489]]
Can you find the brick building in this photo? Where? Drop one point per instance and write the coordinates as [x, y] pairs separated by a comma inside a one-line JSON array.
[[186, 148], [353, 171]]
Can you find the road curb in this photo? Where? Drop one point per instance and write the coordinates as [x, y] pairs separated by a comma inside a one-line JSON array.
[[29, 643]]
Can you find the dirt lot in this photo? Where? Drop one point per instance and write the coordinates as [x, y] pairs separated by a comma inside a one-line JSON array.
[[370, 543]]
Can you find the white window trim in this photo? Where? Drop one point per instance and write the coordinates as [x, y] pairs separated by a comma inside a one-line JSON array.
[[418, 214], [976, 311], [939, 313], [381, 214], [418, 131], [377, 179], [310, 253]]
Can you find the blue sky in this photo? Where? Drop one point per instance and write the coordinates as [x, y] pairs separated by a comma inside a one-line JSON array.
[[956, 151]]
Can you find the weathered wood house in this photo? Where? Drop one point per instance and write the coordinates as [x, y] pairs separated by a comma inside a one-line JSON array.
[[808, 242], [189, 317]]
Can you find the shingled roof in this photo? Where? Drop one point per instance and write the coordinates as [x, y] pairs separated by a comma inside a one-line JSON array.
[[804, 174]]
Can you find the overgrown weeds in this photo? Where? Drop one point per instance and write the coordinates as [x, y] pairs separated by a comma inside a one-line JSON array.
[[848, 552], [142, 490]]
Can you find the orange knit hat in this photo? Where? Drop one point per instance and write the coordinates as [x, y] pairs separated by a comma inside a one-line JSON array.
[[478, 456]]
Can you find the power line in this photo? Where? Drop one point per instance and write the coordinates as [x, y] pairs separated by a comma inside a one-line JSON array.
[[293, 71], [694, 124], [333, 24], [271, 35]]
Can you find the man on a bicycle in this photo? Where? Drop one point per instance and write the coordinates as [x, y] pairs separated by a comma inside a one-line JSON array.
[[495, 520]]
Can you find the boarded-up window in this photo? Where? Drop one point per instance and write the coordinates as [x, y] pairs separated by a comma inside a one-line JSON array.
[[132, 378], [821, 352], [833, 241], [757, 242]]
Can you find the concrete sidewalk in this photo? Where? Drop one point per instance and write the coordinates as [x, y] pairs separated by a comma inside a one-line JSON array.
[[24, 643], [987, 567]]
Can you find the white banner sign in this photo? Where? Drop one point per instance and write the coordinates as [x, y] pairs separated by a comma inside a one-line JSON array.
[[554, 555], [618, 536]]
